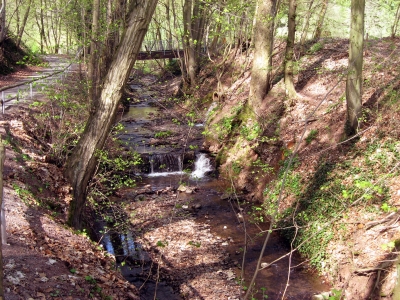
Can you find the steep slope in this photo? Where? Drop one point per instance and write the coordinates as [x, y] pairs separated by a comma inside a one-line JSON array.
[[341, 194]]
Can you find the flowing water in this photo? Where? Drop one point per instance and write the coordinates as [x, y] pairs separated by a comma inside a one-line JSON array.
[[224, 218]]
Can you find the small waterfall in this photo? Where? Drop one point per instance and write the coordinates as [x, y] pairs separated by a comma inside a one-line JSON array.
[[208, 112], [165, 164], [202, 165], [210, 109]]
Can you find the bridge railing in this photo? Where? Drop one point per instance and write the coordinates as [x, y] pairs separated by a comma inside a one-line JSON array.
[[160, 45], [26, 89]]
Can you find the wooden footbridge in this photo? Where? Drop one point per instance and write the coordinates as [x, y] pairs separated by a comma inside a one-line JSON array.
[[160, 49]]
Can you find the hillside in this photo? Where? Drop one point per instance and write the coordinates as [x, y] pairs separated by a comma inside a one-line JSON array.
[[341, 194]]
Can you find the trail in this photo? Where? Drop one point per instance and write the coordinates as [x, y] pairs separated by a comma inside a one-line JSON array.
[[30, 88]]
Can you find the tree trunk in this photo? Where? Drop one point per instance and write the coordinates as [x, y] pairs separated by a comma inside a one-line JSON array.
[[2, 231], [263, 35], [16, 13], [321, 18], [306, 24], [93, 65], [81, 164], [43, 39], [190, 55], [396, 21], [354, 76], [290, 90], [22, 28], [2, 20]]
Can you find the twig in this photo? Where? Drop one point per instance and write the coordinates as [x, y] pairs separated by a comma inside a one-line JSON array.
[[384, 220]]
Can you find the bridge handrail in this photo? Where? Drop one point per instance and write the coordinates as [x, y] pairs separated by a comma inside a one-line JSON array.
[[159, 45], [3, 101], [39, 78]]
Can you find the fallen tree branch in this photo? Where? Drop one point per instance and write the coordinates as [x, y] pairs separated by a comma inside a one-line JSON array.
[[388, 218]]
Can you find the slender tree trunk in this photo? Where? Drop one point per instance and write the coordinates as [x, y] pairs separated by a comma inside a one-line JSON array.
[[168, 29], [190, 55], [290, 90], [93, 65], [17, 7], [43, 39], [198, 26], [354, 76], [21, 30], [2, 20], [306, 24], [81, 164], [263, 44], [321, 18], [2, 231], [396, 21]]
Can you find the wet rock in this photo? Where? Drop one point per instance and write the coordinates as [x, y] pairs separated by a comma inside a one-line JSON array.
[[226, 196], [181, 188], [186, 189], [264, 265], [196, 206]]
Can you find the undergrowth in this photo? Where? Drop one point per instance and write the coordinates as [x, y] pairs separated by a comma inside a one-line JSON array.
[[354, 185]]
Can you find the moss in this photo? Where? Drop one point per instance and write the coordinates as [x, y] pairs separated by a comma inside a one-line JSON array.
[[221, 157]]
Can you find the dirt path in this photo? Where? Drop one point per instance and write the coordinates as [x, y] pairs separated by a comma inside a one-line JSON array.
[[44, 259]]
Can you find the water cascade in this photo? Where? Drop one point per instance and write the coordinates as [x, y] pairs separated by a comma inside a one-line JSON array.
[[164, 164], [202, 166]]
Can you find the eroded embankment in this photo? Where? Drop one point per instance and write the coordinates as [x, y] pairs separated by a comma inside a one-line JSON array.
[[189, 237], [341, 194]]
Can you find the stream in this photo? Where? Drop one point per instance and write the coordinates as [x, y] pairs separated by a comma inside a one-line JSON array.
[[166, 167]]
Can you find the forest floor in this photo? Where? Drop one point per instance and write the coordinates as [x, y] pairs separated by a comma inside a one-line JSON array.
[[330, 170], [46, 260]]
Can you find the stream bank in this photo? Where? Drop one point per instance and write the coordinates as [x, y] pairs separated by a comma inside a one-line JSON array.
[[187, 236]]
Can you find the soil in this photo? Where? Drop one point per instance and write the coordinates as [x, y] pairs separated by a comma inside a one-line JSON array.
[[44, 258], [360, 265]]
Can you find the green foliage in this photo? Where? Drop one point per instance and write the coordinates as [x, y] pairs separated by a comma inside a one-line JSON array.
[[336, 294], [195, 244], [114, 171], [173, 67], [315, 48], [251, 132], [335, 188], [25, 195], [162, 134], [162, 244], [311, 136], [31, 59], [67, 111]]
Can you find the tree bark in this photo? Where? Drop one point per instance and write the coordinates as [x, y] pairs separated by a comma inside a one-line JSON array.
[[290, 90], [306, 24], [2, 20], [263, 35], [22, 28], [93, 65], [2, 231], [354, 76], [320, 22], [396, 21], [81, 164], [189, 50]]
